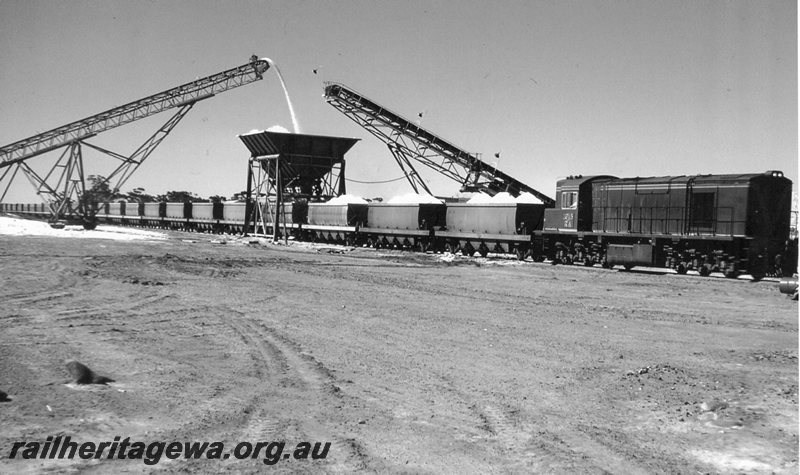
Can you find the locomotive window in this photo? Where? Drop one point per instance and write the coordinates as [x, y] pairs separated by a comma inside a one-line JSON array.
[[569, 199], [702, 211]]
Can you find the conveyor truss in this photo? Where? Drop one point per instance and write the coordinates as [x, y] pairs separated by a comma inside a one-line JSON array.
[[410, 143], [63, 188]]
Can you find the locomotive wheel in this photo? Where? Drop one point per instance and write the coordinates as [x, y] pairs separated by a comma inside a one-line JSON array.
[[757, 276], [628, 266], [89, 225], [681, 269], [731, 274], [606, 265], [588, 263], [704, 271]]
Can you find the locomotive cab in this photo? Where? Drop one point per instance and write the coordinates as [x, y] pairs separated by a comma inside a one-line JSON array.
[[573, 211]]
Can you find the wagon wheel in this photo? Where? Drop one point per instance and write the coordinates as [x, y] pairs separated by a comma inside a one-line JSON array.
[[588, 263], [628, 266], [704, 271], [757, 275], [468, 250], [483, 250], [521, 253], [420, 246], [449, 247], [681, 269]]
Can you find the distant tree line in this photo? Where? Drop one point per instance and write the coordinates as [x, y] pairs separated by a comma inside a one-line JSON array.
[[99, 192]]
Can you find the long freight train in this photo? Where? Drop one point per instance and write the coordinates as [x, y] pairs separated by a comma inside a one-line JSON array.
[[734, 224]]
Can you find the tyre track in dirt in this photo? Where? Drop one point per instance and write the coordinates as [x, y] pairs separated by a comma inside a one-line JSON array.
[[279, 394], [311, 401]]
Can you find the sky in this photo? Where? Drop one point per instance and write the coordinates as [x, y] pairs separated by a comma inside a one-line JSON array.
[[559, 87]]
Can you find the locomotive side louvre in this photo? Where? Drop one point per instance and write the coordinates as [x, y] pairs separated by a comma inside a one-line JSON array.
[[639, 205], [715, 205]]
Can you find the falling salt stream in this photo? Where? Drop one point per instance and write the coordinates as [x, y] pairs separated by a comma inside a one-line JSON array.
[[295, 125]]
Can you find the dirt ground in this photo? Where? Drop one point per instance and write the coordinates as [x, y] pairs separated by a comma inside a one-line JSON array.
[[406, 363]]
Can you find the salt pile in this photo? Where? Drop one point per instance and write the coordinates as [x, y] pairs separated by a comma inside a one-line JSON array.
[[503, 197], [278, 128], [528, 198], [252, 132], [26, 227], [347, 199], [274, 128], [480, 199], [414, 198]]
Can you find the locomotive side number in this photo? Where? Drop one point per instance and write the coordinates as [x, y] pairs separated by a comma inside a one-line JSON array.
[[568, 220]]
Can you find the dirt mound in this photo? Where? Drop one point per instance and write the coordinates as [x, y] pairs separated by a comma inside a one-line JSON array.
[[81, 374]]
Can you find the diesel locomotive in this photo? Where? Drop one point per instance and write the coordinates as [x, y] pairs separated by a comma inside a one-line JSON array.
[[709, 223], [733, 224]]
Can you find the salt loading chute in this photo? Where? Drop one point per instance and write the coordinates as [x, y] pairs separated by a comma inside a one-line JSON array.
[[296, 167]]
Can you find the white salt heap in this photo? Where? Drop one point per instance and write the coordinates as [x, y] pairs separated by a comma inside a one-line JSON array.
[[528, 198], [346, 199], [278, 128], [480, 198], [26, 227], [274, 128], [252, 132], [414, 198], [504, 197]]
